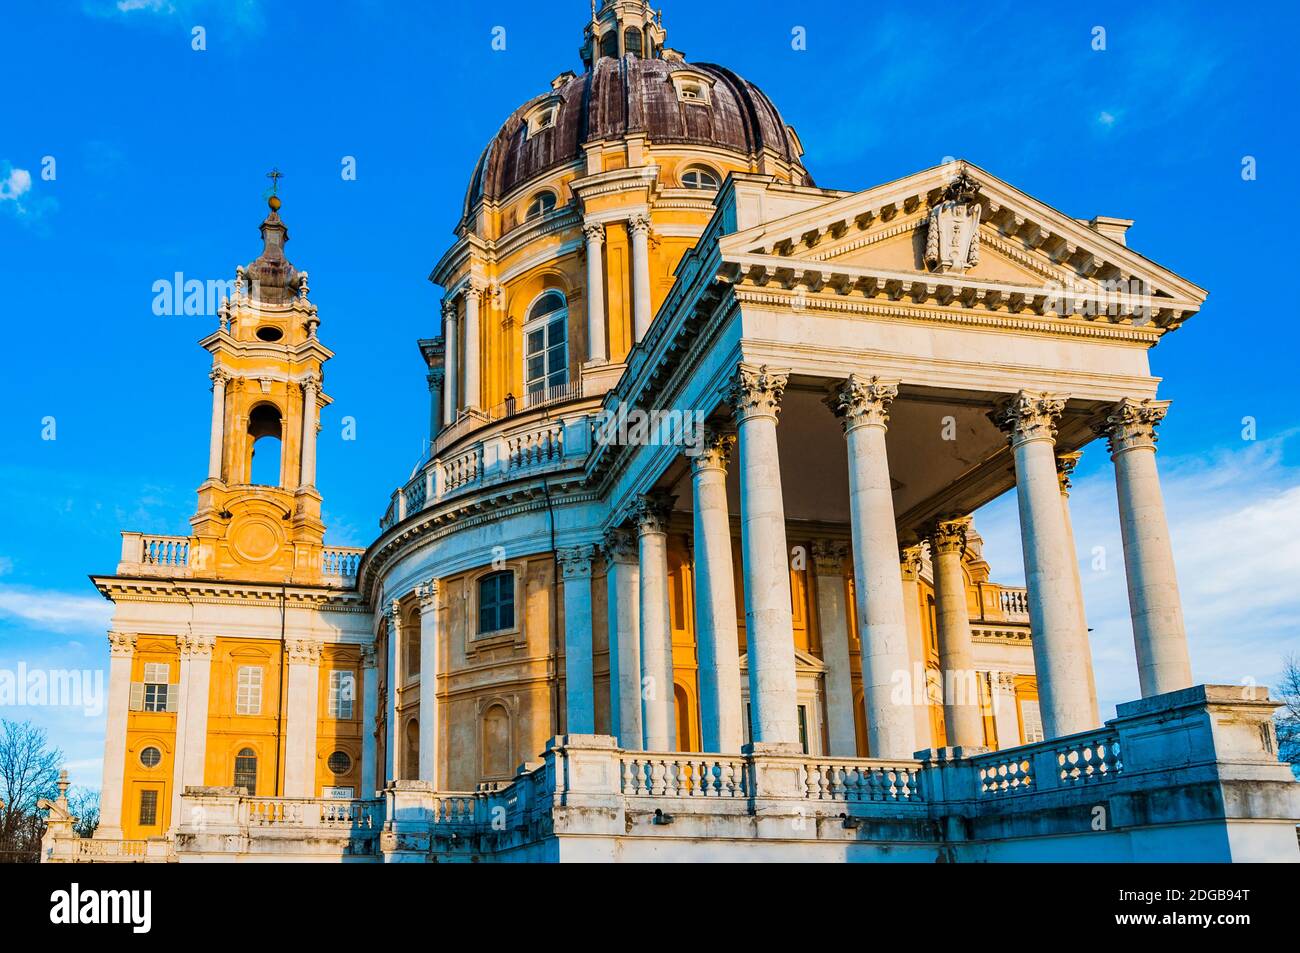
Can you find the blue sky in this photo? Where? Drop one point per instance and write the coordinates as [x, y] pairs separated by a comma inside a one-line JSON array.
[[160, 153]]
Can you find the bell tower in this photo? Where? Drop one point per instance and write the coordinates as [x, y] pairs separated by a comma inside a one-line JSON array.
[[258, 516]]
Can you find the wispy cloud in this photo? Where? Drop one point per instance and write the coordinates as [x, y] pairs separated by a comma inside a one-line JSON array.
[[1235, 521], [59, 611], [246, 14], [17, 197]]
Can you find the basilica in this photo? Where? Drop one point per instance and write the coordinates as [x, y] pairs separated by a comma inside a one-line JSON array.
[[689, 570]]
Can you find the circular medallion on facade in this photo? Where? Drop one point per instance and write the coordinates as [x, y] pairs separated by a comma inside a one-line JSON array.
[[255, 539]]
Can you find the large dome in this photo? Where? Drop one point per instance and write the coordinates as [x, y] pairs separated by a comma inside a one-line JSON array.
[[624, 96]]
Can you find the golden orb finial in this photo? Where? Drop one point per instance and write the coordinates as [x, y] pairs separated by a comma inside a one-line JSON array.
[[274, 202]]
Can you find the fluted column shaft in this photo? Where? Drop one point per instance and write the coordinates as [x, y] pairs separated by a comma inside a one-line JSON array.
[[961, 690], [430, 670], [473, 354], [310, 392], [769, 623], [639, 228], [300, 718], [721, 718], [579, 688], [862, 404], [623, 584], [121, 651], [594, 233], [217, 437], [1159, 634], [658, 709], [369, 720], [833, 624], [1060, 640], [392, 763], [451, 394]]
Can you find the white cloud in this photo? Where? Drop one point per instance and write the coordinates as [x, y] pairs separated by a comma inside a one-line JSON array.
[[14, 182], [1235, 521], [55, 610], [1106, 119]]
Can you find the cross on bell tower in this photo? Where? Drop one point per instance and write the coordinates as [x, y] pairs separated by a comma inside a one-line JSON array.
[[259, 511]]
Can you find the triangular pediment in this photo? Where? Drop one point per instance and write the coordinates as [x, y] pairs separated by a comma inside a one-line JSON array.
[[1000, 248]]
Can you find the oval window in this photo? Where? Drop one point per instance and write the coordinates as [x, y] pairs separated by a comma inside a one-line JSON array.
[[269, 334], [339, 762], [150, 757]]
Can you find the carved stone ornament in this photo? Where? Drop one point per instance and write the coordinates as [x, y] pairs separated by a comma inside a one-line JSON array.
[[714, 452], [1029, 416], [757, 390], [575, 561], [1132, 423], [949, 536], [952, 238], [862, 400], [620, 546], [652, 511]]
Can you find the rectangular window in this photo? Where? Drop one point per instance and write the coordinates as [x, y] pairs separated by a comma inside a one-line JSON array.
[[148, 808], [803, 727], [342, 691], [547, 357], [1032, 720], [496, 602], [156, 686], [248, 690]]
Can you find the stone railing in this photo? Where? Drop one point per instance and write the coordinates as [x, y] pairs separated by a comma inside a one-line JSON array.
[[89, 849], [148, 554], [647, 774], [861, 780], [1015, 603], [310, 813], [1073, 761], [538, 447], [341, 561]]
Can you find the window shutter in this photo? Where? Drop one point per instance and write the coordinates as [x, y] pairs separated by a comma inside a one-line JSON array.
[[173, 696], [136, 700]]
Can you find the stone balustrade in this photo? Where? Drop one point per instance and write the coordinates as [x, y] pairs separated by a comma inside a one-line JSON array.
[[150, 554], [860, 780], [645, 774], [341, 561]]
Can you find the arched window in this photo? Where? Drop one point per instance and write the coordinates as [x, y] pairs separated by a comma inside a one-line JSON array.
[[632, 41], [412, 631], [609, 44], [700, 177], [264, 427], [496, 602], [546, 343], [246, 770], [412, 767], [496, 758], [542, 203]]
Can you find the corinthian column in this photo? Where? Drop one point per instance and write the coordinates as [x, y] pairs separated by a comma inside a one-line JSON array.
[[310, 389], [1060, 639], [769, 622], [121, 651], [622, 585], [961, 691], [721, 719], [862, 404], [579, 687], [1158, 632], [300, 718], [658, 712], [473, 357], [436, 377], [430, 657], [451, 394], [833, 623], [369, 720], [1065, 464], [594, 233], [217, 437], [639, 228]]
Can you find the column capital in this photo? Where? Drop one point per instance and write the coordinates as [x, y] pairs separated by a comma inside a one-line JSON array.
[[309, 382], [828, 557], [1131, 424], [304, 651], [368, 656], [651, 512], [575, 561], [121, 644], [714, 451], [619, 546], [949, 536], [1065, 464], [756, 391], [196, 646], [1029, 415], [393, 615], [427, 593], [639, 224], [1003, 683], [219, 376], [448, 309], [910, 560], [862, 401], [435, 379], [594, 233]]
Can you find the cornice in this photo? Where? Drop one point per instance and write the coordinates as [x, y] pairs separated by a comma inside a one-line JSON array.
[[218, 592]]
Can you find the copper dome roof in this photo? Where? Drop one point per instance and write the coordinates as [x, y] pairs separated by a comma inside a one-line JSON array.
[[629, 95]]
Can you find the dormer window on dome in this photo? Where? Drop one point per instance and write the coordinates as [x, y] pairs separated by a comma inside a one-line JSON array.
[[692, 87], [542, 203], [543, 117]]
